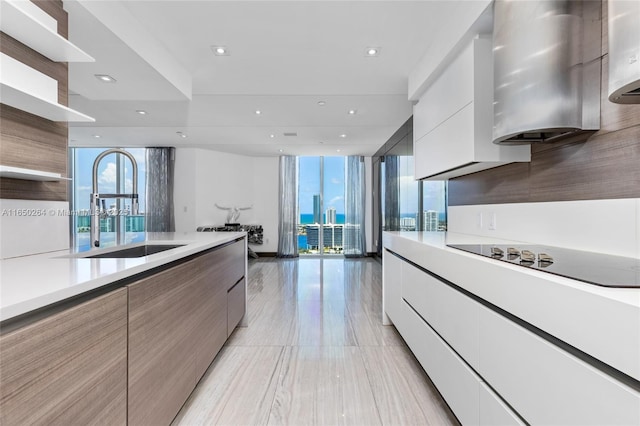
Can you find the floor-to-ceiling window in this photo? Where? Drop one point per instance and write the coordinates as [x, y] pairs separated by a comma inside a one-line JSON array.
[[321, 205], [400, 202], [115, 175]]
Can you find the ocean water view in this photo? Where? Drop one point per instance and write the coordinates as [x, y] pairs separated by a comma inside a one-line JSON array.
[[307, 218]]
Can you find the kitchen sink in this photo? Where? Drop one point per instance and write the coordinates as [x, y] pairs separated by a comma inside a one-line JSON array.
[[138, 251]]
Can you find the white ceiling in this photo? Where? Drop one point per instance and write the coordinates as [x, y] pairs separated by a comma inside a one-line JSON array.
[[286, 56]]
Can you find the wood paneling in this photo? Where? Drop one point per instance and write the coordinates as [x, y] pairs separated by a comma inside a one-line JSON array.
[[605, 166], [162, 369], [177, 325], [69, 368], [29, 141]]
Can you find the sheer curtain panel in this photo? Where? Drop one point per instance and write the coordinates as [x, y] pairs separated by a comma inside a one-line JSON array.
[[354, 194], [288, 207], [160, 176]]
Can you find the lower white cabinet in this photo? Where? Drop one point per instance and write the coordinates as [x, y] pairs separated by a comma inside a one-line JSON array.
[[451, 313], [392, 292], [493, 369], [456, 382], [547, 385], [494, 411]]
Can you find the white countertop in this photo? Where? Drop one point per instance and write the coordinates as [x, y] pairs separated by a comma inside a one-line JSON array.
[[603, 322], [31, 282]]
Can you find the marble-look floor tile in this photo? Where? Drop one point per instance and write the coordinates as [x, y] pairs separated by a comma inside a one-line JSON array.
[[315, 352], [322, 323], [270, 324], [238, 388], [404, 394], [323, 386]]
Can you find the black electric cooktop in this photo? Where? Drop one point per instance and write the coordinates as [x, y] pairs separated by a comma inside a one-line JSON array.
[[594, 268]]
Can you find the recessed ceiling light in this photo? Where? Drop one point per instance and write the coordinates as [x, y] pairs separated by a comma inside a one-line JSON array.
[[141, 112], [258, 112], [105, 78], [272, 136], [372, 51], [321, 103], [281, 150], [337, 150], [96, 136], [220, 50], [353, 111], [182, 135], [343, 135]]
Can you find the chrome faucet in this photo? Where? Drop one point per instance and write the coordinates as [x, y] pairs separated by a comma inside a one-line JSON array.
[[96, 211]]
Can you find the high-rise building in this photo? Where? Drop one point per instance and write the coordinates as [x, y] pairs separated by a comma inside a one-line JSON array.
[[332, 236], [407, 224], [331, 216], [430, 220], [317, 212]]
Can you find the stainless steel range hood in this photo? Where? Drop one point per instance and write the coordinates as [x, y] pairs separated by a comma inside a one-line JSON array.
[[546, 57], [624, 51]]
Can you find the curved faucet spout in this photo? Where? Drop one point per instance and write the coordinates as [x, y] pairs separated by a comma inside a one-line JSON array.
[[99, 158], [95, 196]]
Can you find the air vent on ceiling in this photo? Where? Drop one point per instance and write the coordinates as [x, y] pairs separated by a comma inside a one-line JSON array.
[[290, 134]]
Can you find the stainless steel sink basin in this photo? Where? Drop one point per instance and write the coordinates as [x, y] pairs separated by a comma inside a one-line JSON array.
[[138, 251]]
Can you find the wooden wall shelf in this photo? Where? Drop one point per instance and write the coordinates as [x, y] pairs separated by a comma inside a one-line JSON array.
[[29, 174], [21, 22]]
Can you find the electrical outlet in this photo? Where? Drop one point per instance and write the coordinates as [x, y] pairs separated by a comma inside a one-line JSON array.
[[493, 222], [479, 220]]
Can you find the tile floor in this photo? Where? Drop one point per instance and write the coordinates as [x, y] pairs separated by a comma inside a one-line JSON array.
[[315, 353]]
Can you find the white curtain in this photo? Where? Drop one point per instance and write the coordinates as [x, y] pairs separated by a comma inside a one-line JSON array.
[[354, 194], [288, 207], [160, 176]]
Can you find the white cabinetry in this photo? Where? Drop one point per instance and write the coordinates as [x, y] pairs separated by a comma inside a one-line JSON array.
[[487, 363], [546, 384], [453, 120]]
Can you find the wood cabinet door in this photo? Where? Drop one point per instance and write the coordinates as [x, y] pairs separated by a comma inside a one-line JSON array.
[[161, 356], [221, 269], [68, 368]]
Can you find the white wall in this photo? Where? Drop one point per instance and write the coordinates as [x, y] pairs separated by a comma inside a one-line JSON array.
[[604, 226], [204, 178], [33, 226]]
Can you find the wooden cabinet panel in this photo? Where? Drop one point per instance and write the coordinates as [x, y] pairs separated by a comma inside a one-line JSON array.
[[210, 332], [162, 369], [68, 368], [236, 305], [177, 324]]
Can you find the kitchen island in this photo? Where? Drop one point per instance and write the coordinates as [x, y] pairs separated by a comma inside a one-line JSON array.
[[506, 344], [116, 340]]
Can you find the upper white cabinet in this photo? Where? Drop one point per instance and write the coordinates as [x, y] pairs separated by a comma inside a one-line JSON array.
[[33, 27], [453, 120]]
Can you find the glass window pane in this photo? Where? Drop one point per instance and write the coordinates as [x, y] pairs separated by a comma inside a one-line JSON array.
[[114, 176]]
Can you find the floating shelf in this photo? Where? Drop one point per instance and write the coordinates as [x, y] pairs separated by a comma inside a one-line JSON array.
[[16, 98], [29, 174], [18, 21]]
